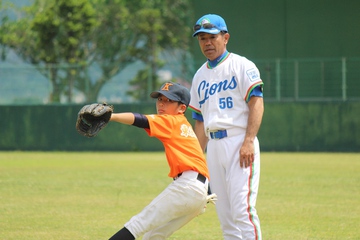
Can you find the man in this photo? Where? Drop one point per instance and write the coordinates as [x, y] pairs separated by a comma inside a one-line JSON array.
[[227, 103], [186, 197]]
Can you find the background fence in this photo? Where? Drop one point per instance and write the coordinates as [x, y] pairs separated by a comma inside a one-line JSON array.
[[324, 79], [286, 126], [310, 105]]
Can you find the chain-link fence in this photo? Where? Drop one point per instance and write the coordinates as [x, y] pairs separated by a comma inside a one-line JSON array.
[[323, 79]]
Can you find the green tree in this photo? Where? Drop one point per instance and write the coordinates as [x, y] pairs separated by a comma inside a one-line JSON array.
[[113, 45], [52, 33], [165, 25], [65, 39]]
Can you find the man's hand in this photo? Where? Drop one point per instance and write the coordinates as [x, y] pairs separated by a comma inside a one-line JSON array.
[[247, 154]]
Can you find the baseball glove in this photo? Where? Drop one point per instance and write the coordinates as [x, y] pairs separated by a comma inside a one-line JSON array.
[[92, 118]]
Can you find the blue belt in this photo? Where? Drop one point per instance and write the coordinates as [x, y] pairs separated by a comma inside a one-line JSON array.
[[218, 134]]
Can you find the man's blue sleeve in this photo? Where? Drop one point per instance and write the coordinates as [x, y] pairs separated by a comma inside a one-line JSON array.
[[257, 92], [197, 116]]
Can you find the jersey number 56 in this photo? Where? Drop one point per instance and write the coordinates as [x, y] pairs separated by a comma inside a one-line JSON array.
[[226, 102]]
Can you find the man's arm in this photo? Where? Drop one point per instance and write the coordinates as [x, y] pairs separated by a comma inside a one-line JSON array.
[[256, 111], [200, 133]]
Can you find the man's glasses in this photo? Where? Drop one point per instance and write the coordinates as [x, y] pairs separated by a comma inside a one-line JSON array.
[[205, 26]]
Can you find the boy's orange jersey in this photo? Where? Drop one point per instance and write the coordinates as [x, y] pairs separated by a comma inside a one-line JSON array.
[[182, 148]]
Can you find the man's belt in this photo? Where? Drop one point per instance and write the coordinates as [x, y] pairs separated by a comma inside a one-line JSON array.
[[218, 134]]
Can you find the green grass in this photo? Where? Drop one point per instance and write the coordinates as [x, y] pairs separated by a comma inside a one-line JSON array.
[[60, 195]]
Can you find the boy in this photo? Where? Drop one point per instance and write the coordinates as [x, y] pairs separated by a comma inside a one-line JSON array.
[[186, 197]]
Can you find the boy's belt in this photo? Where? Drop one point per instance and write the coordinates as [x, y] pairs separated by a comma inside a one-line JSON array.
[[199, 177]]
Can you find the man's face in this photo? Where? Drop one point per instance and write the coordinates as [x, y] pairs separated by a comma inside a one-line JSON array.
[[213, 45]]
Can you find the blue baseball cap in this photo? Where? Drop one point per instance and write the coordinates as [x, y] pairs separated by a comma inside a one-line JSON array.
[[210, 23]]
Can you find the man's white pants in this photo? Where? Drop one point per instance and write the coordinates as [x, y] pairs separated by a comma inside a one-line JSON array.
[[236, 188]]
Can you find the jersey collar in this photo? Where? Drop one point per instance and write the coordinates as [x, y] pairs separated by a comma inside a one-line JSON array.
[[218, 60]]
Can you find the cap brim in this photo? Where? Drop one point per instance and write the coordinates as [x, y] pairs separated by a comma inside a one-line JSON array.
[[211, 31], [166, 94]]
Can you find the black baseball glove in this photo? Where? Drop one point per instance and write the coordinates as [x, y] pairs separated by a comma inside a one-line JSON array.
[[92, 118]]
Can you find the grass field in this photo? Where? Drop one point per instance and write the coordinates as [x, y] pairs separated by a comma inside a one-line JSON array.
[[67, 196]]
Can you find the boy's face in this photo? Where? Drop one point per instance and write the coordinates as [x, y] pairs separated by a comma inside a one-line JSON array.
[[167, 106]]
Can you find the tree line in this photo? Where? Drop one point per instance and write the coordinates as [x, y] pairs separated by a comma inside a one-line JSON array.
[[65, 39]]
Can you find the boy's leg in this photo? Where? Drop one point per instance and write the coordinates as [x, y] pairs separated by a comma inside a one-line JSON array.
[[123, 234], [181, 198], [165, 231]]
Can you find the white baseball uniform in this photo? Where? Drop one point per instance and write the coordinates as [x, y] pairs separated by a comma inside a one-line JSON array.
[[220, 95]]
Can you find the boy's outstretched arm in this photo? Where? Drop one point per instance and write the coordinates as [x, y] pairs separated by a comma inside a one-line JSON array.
[[135, 119], [125, 118]]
